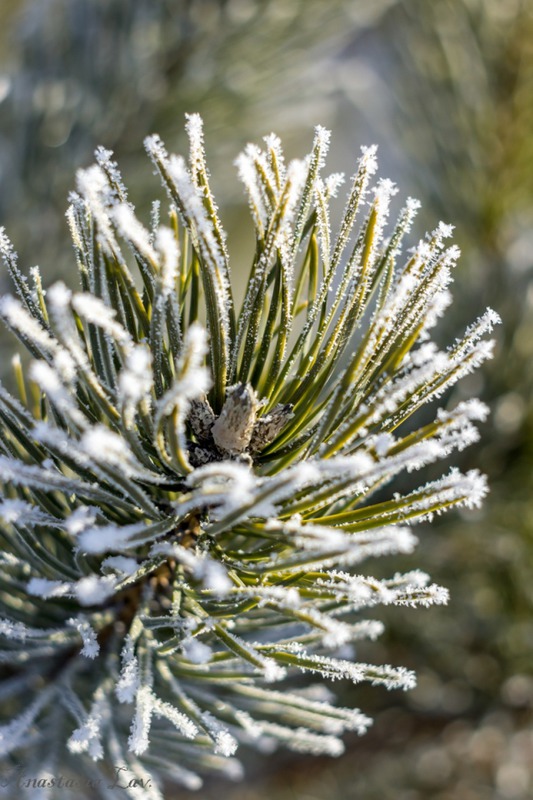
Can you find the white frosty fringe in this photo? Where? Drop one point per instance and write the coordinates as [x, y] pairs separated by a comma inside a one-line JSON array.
[[232, 489], [94, 188], [364, 592], [95, 311], [107, 447], [91, 648], [74, 228], [270, 670], [23, 513], [180, 721], [20, 632], [194, 127], [114, 538], [302, 740], [319, 546], [49, 382], [313, 706], [210, 573], [13, 630], [196, 652], [276, 158], [282, 222], [213, 575], [148, 705], [104, 159], [122, 565], [135, 383], [19, 319], [224, 743], [140, 728], [367, 166], [89, 590], [81, 518], [101, 450], [225, 486], [169, 254], [456, 488], [87, 738], [133, 231], [128, 683], [383, 194], [356, 672], [247, 173], [93, 589], [191, 198], [285, 597], [192, 377], [45, 588], [7, 251], [192, 380]]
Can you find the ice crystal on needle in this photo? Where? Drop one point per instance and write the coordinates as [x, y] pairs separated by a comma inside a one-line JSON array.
[[186, 510]]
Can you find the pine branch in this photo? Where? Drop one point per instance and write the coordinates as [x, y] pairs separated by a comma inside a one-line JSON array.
[[183, 510]]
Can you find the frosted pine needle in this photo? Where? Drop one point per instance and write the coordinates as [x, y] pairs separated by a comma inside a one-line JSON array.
[[185, 511]]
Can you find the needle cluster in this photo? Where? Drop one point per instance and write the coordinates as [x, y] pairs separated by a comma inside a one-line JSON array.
[[190, 488]]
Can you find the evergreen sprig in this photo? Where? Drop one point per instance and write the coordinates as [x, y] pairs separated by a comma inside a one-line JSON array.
[[185, 510]]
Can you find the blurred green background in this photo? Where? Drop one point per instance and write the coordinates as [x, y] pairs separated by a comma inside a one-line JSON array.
[[445, 87]]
